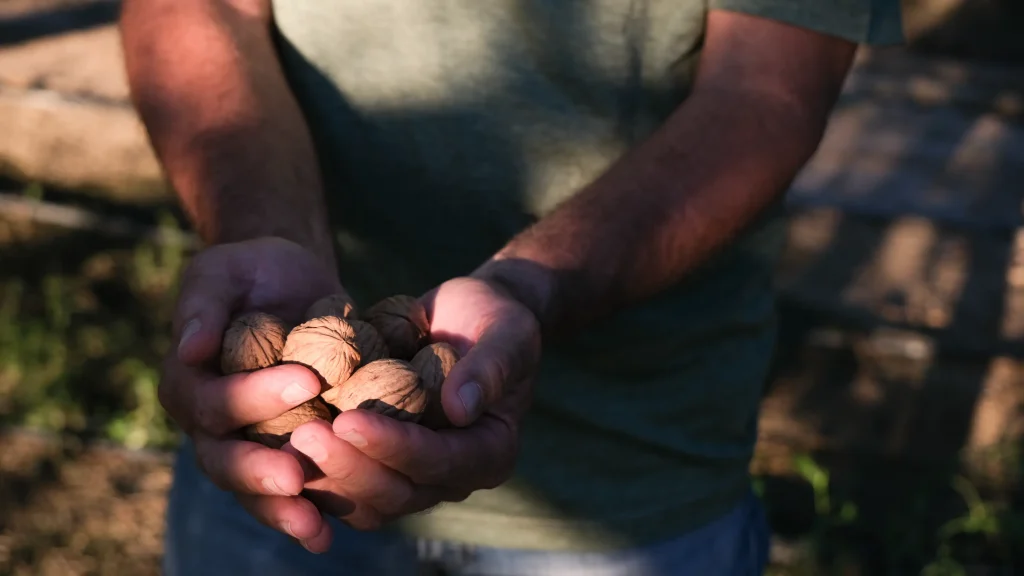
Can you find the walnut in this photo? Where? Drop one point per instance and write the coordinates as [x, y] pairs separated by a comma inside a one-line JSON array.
[[369, 342], [277, 431], [339, 305], [402, 322], [433, 364], [327, 346], [390, 387], [252, 341]]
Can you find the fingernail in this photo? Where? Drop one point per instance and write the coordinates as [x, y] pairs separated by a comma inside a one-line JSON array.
[[472, 397], [189, 331], [271, 486], [314, 450], [354, 438], [306, 546], [287, 527], [294, 394]]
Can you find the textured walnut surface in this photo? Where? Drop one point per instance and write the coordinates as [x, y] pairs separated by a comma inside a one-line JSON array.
[[433, 364], [402, 322], [390, 387], [252, 341], [339, 305], [276, 431], [327, 346], [369, 342]]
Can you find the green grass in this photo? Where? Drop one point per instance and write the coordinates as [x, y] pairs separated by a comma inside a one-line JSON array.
[[988, 533], [81, 339]]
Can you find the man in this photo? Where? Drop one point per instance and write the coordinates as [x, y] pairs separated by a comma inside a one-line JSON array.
[[602, 173]]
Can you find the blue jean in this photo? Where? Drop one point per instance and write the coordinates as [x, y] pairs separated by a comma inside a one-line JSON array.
[[208, 533]]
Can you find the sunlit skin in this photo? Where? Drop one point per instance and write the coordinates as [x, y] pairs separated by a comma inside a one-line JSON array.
[[232, 140]]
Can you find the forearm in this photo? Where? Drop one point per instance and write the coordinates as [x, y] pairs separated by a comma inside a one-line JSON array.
[[207, 83], [661, 210]]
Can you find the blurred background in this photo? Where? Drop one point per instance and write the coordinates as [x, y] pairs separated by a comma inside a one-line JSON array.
[[892, 428]]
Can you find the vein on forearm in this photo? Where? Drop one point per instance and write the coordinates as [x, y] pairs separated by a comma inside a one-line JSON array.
[[205, 78]]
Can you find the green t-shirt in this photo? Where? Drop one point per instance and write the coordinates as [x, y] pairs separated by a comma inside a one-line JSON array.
[[444, 127]]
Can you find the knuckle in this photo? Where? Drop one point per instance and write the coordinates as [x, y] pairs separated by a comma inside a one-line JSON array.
[[209, 421], [341, 471], [343, 474], [391, 451], [393, 445]]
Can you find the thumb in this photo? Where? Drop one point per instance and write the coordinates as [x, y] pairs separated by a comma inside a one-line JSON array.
[[211, 290], [503, 358]]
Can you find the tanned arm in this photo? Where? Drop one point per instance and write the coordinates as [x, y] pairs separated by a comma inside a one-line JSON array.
[[757, 113], [206, 80]]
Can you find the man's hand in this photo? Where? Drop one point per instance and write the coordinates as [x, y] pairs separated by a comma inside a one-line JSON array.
[[371, 469], [271, 275]]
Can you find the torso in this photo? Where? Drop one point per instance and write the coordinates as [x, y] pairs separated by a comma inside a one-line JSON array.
[[445, 127]]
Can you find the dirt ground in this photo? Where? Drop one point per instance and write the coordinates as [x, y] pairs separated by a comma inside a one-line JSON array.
[[68, 509]]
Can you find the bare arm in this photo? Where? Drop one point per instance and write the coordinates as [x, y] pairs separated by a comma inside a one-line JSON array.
[[757, 113], [207, 82]]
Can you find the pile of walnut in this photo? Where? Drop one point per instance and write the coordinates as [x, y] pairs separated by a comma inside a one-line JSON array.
[[378, 361]]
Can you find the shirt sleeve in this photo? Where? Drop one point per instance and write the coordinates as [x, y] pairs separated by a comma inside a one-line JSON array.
[[875, 22]]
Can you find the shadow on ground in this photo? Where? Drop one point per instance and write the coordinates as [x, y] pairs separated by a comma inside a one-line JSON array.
[[900, 367]]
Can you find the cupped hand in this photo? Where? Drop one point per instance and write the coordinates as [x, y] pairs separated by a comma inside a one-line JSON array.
[[271, 275], [370, 469]]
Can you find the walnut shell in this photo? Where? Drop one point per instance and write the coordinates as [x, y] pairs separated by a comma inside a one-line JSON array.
[[369, 342], [433, 364], [277, 431], [327, 346], [252, 341], [340, 305], [390, 387], [402, 322]]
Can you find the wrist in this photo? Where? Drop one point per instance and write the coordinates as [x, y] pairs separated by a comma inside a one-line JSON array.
[[529, 283], [317, 243]]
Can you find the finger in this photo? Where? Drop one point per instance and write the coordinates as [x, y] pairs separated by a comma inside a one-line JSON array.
[[292, 515], [481, 456], [424, 497], [248, 468], [213, 286], [223, 405], [350, 477], [174, 390], [321, 542], [505, 353], [198, 399], [428, 299], [310, 471]]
